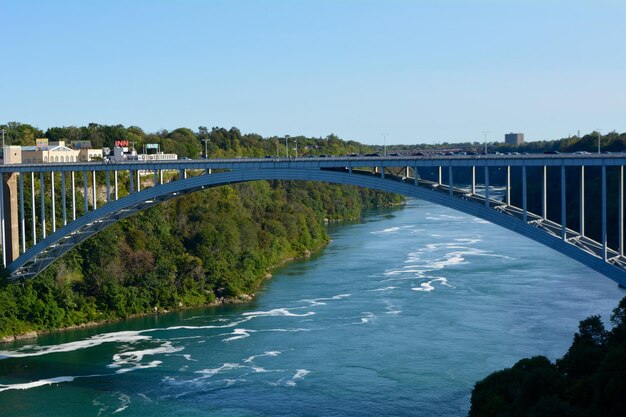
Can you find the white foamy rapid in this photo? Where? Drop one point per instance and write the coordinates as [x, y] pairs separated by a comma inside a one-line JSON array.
[[239, 334], [35, 350], [131, 360], [390, 230], [43, 382], [321, 301], [300, 374], [277, 312]]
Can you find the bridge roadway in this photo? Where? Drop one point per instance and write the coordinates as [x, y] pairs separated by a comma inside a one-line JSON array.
[[399, 174]]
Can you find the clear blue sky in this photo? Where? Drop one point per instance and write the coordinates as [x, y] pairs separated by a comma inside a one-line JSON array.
[[419, 71]]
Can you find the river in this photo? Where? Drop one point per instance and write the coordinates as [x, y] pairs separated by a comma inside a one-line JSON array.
[[399, 316]]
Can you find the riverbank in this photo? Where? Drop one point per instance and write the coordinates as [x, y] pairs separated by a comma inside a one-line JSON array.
[[219, 301]]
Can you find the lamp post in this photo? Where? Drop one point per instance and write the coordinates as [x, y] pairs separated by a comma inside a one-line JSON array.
[[287, 145], [296, 142], [3, 131], [384, 135], [206, 152], [485, 133]]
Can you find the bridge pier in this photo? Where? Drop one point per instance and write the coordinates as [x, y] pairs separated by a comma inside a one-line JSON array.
[[544, 193], [524, 196], [63, 198], [582, 200], [54, 214], [563, 204], [73, 198], [604, 212], [10, 222], [508, 185], [34, 209], [620, 211], [450, 180], [473, 179], [486, 186], [42, 202], [22, 217]]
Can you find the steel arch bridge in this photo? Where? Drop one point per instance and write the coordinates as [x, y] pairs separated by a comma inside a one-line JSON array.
[[26, 254]]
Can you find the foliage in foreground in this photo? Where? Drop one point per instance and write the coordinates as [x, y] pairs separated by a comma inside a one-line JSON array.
[[588, 381]]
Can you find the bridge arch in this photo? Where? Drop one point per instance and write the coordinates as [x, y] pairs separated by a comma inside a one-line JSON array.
[[45, 252]]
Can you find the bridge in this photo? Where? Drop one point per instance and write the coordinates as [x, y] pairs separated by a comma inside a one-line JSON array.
[[46, 195]]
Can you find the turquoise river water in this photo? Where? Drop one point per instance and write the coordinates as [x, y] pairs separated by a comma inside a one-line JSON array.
[[399, 316]]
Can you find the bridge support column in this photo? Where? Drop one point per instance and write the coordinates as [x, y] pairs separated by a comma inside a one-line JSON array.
[[131, 177], [416, 175], [486, 186], [544, 193], [524, 197], [161, 176], [94, 189], [22, 216], [156, 177], [85, 192], [42, 201], [439, 177], [382, 172], [2, 230], [508, 185], [54, 212], [32, 196], [73, 197], [10, 222], [138, 180], [604, 212], [473, 179], [349, 170], [620, 213], [115, 185], [450, 180], [63, 197], [563, 207], [108, 181], [582, 200]]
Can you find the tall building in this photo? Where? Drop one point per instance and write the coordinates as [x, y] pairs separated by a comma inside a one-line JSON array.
[[514, 138]]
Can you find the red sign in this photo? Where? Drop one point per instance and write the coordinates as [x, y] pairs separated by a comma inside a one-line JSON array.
[[121, 143]]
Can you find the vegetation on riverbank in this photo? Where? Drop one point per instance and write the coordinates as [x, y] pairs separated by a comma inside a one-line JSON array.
[[588, 381], [194, 250]]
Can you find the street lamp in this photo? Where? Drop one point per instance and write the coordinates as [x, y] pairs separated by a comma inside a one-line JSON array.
[[485, 133], [296, 142], [287, 145], [3, 131], [384, 135], [206, 152]]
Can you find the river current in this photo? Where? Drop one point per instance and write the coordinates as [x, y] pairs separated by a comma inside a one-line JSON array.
[[399, 316]]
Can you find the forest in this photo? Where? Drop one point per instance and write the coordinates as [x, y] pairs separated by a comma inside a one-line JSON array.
[[210, 246]]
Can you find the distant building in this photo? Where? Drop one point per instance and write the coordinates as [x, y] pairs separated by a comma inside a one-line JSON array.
[[53, 152], [12, 155], [514, 139]]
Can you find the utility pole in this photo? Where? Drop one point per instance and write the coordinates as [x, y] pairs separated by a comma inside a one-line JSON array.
[[485, 133], [3, 131], [296, 142], [384, 135], [206, 152]]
